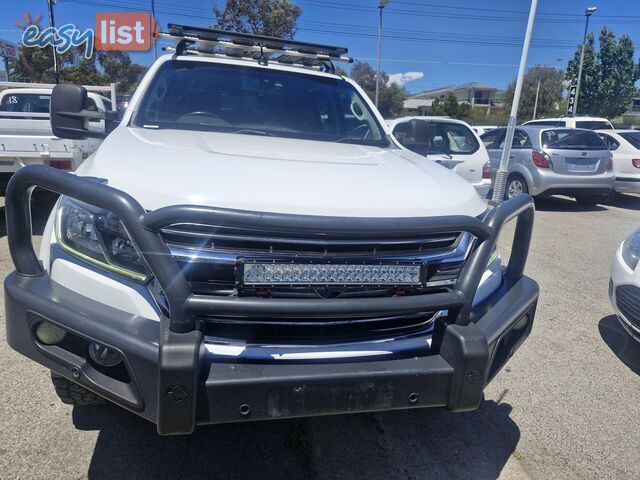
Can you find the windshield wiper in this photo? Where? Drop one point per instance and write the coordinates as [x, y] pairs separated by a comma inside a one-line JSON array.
[[250, 131], [364, 141]]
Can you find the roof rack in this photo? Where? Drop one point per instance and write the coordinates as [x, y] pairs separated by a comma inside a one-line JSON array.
[[212, 42]]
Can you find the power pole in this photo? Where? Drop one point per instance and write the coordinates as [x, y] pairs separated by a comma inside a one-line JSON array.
[[52, 24], [153, 18], [535, 105], [381, 5], [587, 13]]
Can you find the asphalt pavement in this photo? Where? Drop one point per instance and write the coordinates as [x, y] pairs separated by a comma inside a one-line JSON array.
[[566, 406]]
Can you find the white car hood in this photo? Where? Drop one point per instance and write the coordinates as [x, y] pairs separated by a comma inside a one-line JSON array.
[[170, 167]]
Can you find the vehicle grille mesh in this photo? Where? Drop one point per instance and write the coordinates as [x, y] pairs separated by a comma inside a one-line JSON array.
[[628, 301], [257, 242]]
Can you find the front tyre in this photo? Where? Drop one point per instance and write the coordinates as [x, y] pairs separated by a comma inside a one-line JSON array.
[[73, 394], [516, 185]]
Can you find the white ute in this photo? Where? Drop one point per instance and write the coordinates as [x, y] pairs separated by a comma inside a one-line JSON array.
[[25, 131], [250, 242]]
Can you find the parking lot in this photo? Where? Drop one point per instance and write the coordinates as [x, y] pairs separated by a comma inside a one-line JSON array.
[[566, 406]]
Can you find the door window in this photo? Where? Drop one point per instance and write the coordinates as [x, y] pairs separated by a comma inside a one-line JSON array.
[[611, 143], [492, 138], [25, 103], [427, 137], [521, 140]]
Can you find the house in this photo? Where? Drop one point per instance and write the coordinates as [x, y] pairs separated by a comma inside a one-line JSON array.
[[634, 108], [474, 93]]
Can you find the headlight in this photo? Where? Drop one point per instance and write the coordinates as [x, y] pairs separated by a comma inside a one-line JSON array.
[[98, 237], [631, 249]]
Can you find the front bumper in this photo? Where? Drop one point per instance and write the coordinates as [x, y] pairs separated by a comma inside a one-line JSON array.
[[626, 282], [468, 359], [169, 379]]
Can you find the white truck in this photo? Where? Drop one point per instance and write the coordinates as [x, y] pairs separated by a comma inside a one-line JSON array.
[[25, 129], [250, 242]]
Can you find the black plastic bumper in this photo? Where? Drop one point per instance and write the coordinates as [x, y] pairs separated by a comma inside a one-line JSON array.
[[173, 384], [469, 357]]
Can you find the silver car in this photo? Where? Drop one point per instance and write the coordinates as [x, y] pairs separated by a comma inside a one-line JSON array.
[[550, 160]]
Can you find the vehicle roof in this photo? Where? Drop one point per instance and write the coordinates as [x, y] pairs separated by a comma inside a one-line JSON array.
[[564, 117], [43, 91], [622, 130]]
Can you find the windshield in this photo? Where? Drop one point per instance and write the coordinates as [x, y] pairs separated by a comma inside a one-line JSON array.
[[572, 140], [632, 137], [190, 95]]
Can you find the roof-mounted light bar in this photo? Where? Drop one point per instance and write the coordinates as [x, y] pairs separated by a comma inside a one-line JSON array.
[[208, 41]]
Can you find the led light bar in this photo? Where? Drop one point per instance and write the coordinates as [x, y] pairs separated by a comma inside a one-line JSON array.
[[330, 274]]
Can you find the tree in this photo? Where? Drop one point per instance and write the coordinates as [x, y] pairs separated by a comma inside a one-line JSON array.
[[275, 18], [549, 97], [450, 105], [437, 109], [118, 68], [608, 78], [391, 97]]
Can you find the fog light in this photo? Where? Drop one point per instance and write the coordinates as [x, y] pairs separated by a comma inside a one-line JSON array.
[[103, 355], [49, 334]]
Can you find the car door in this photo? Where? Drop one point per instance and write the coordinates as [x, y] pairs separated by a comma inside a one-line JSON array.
[[520, 151], [492, 141]]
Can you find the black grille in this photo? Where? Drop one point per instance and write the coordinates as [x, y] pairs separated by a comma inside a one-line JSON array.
[[628, 301], [310, 331], [215, 277], [257, 242]]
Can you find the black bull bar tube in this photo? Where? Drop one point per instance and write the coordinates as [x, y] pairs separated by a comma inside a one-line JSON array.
[[180, 340]]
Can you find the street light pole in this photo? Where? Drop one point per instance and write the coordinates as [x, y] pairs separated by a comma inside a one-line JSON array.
[[381, 5], [587, 13], [535, 104], [503, 172]]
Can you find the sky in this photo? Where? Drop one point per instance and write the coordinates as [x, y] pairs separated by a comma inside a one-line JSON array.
[[426, 43]]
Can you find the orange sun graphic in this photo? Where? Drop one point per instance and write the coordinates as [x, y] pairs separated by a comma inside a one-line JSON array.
[[28, 20]]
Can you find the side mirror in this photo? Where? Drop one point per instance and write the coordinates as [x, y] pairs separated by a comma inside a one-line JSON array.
[[69, 114]]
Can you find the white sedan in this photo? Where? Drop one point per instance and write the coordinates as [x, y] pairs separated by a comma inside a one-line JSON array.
[[624, 286], [625, 147]]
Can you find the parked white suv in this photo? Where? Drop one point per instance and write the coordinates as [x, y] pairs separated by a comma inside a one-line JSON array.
[[250, 243], [590, 123], [449, 142]]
